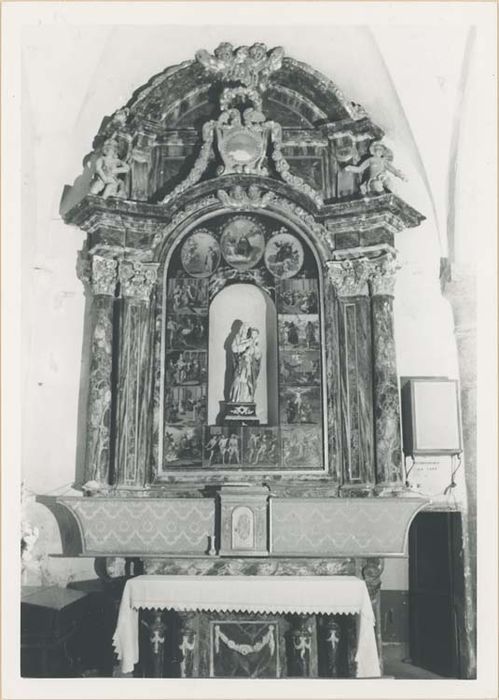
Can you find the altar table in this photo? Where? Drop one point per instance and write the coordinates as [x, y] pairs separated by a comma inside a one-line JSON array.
[[302, 595]]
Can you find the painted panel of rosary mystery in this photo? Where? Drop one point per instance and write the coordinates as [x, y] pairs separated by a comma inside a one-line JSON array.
[[300, 405], [301, 446], [300, 368], [188, 295], [242, 355], [183, 446]]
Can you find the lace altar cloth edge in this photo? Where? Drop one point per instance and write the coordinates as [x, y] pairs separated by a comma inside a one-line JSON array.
[[327, 595]]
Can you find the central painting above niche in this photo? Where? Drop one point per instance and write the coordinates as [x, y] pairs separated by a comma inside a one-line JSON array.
[[241, 384]]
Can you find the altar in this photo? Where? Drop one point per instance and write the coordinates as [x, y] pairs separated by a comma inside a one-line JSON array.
[[312, 603], [243, 413]]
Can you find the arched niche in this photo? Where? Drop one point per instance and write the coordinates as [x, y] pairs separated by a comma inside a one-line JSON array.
[[235, 305]]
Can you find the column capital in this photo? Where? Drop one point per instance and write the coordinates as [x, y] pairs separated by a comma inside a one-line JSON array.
[[137, 279], [104, 275], [383, 271], [349, 277], [98, 272]]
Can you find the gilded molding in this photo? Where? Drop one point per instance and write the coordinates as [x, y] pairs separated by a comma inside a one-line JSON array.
[[137, 279]]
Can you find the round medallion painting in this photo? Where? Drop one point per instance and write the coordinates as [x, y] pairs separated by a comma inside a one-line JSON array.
[[200, 253], [242, 242], [284, 255]]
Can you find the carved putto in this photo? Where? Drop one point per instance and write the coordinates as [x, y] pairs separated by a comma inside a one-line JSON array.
[[110, 170], [378, 166], [250, 66]]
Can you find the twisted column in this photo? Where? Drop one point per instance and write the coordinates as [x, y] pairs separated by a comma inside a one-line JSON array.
[[100, 274]]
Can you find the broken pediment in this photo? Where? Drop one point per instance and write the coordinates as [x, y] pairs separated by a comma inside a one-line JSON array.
[[241, 109]]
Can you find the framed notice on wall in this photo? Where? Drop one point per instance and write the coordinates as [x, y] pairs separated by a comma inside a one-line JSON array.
[[430, 416]]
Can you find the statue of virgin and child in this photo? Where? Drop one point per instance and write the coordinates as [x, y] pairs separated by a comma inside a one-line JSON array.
[[246, 358]]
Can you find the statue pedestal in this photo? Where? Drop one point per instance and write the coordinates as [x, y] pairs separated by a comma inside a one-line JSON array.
[[240, 412]]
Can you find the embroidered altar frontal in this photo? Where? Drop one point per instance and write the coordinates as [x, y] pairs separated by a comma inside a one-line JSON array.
[[248, 626]]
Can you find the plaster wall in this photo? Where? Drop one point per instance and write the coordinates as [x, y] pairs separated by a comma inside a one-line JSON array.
[[73, 77]]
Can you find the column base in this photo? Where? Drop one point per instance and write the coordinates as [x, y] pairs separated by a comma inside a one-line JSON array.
[[355, 490], [391, 489]]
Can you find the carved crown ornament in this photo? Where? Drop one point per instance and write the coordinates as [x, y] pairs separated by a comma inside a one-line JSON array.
[[249, 65]]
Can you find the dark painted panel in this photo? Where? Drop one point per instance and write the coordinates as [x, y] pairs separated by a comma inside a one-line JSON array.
[[394, 616]]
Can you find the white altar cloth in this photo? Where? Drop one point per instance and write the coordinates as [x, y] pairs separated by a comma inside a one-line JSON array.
[[327, 595]]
